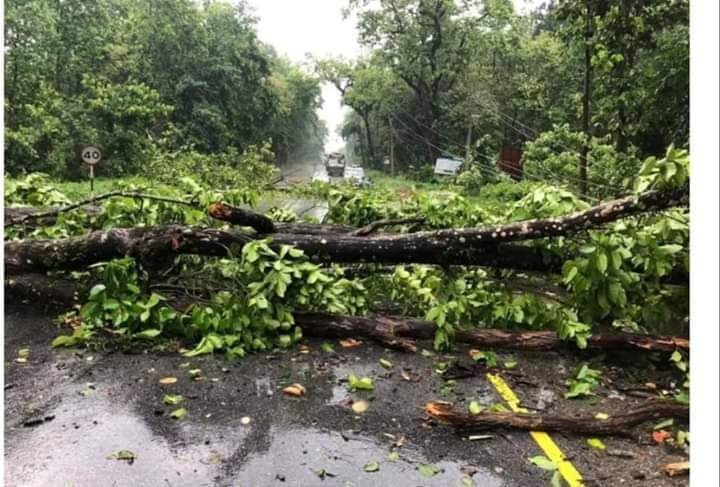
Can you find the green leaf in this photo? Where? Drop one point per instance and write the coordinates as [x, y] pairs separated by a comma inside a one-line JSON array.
[[179, 413], [510, 365], [385, 363], [371, 467], [148, 334], [327, 347], [364, 383], [602, 263], [393, 456], [428, 470], [172, 399], [556, 480], [475, 408], [663, 424], [111, 304], [596, 443], [97, 289], [543, 462]]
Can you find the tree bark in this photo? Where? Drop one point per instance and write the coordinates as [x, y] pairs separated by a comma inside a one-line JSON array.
[[619, 424]]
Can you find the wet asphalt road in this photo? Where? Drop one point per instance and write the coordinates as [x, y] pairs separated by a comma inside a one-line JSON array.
[[68, 411], [93, 404]]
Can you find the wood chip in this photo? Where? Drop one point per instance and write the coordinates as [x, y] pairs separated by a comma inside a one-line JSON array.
[[168, 380]]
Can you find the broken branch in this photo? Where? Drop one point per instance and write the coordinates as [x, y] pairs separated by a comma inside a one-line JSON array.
[[615, 425]]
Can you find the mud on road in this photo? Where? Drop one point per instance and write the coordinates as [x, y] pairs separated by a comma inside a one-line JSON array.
[[68, 411]]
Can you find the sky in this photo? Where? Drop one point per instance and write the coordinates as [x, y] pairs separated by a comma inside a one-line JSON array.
[[300, 27]]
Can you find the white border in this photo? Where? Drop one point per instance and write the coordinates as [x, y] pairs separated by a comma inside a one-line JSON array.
[[704, 243]]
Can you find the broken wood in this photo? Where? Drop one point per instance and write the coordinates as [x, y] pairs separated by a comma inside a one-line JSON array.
[[618, 424]]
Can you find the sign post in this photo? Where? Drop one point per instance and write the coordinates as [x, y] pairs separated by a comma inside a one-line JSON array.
[[91, 155]]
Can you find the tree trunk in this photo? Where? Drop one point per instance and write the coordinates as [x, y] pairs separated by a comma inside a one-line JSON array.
[[485, 246]]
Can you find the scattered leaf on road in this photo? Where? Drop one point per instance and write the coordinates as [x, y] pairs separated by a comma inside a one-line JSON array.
[[194, 372], [428, 470], [172, 399], [596, 443], [360, 406], [24, 353], [393, 456], [296, 390], [124, 455], [168, 380], [179, 413], [386, 363], [660, 436], [350, 343], [510, 365], [327, 347], [360, 383], [475, 407], [602, 416], [543, 462], [663, 424], [680, 468], [371, 467]]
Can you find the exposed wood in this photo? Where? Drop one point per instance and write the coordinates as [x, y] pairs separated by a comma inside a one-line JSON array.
[[619, 424], [240, 216]]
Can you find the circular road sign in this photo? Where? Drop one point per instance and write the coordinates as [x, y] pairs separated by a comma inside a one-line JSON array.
[[91, 155]]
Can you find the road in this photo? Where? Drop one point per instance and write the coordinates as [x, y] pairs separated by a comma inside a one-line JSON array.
[[68, 411]]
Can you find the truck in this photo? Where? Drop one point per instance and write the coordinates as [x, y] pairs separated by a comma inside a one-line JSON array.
[[335, 164]]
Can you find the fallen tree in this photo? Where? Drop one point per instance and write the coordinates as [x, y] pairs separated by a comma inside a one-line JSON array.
[[485, 246], [619, 424], [397, 332]]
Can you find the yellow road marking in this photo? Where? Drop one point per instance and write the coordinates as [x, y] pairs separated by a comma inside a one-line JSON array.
[[546, 444]]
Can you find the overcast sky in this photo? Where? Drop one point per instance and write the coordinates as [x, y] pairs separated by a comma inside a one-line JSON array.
[[298, 27]]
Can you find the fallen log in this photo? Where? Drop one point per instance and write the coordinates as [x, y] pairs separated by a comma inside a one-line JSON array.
[[36, 255], [415, 328], [398, 332], [618, 424], [143, 243]]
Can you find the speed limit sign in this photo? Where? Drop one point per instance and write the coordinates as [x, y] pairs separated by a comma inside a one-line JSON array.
[[91, 155]]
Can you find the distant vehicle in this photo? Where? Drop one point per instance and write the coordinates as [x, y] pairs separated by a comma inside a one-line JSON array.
[[335, 165]]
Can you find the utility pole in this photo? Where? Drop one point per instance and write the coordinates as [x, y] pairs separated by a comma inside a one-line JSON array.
[[586, 102]]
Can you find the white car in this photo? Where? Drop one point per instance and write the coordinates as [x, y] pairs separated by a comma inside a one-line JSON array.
[[356, 174]]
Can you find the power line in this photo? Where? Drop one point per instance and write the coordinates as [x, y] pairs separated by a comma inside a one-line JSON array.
[[537, 177], [526, 173]]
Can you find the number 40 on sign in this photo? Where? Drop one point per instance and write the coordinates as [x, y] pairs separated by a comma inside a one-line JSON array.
[[91, 155]]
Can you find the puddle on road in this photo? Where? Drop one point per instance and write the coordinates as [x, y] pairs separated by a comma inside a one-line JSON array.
[[297, 455], [73, 449]]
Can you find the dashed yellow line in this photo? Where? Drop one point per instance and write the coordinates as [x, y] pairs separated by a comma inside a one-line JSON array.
[[546, 444]]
